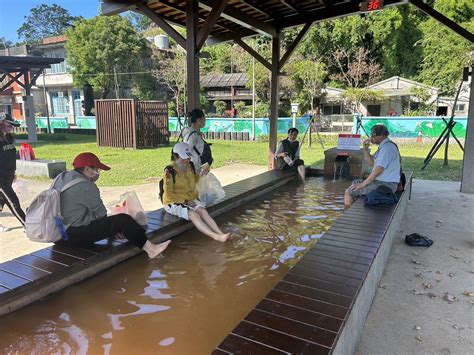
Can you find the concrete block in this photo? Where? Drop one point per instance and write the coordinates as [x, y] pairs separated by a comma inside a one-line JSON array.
[[49, 168]]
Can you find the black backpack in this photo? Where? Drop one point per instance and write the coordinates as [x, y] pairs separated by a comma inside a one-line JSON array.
[[206, 155], [171, 170]]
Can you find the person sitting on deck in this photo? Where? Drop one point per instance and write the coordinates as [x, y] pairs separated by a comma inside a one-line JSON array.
[[288, 154], [85, 215], [180, 195], [386, 162]]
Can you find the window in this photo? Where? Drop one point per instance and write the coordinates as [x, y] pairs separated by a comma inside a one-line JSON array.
[[460, 107], [331, 109], [58, 67], [373, 110], [60, 103]]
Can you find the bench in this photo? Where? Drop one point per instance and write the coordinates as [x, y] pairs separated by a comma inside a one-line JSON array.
[[320, 305], [31, 277]]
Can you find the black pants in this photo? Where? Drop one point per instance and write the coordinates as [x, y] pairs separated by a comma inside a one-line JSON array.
[[8, 196], [106, 227]]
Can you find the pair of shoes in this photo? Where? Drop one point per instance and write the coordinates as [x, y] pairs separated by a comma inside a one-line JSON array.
[[418, 240], [4, 229]]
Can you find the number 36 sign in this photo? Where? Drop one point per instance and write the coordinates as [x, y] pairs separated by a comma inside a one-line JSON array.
[[372, 5]]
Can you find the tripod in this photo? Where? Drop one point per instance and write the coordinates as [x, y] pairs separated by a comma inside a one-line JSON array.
[[359, 125], [444, 136], [311, 123]]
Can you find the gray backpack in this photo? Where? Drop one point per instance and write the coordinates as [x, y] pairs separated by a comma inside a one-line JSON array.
[[43, 222]]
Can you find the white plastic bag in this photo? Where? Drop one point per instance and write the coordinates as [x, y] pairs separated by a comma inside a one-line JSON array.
[[129, 204], [210, 190], [21, 190]]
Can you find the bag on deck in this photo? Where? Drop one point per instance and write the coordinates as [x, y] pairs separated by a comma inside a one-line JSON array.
[[382, 195], [43, 222], [129, 204], [210, 189]]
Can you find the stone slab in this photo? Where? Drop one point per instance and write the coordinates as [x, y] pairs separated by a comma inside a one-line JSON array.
[[46, 168]]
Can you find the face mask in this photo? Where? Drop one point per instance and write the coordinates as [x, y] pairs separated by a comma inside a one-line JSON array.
[[93, 175], [180, 165], [7, 128]]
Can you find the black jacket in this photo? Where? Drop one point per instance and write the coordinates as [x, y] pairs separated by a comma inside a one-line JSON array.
[[7, 154]]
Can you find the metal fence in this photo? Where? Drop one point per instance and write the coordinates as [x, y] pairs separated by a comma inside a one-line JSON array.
[[127, 123]]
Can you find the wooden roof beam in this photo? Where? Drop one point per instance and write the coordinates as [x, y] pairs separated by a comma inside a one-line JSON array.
[[253, 53], [209, 23], [291, 4], [110, 8], [443, 19], [165, 26], [242, 19], [255, 5], [295, 43]]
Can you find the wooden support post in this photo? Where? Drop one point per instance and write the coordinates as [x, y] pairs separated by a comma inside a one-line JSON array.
[[274, 90], [467, 179], [192, 58]]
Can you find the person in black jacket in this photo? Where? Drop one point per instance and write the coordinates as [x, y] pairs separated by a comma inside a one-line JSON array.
[[7, 169], [288, 154]]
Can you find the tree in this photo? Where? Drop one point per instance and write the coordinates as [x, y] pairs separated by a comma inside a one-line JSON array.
[[5, 43], [172, 72], [309, 76], [45, 21], [220, 107], [102, 52], [355, 96], [445, 53]]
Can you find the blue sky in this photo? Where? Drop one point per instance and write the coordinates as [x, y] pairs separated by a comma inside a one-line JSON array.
[[13, 12]]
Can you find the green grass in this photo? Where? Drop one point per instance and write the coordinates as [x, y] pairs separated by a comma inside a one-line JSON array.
[[131, 167]]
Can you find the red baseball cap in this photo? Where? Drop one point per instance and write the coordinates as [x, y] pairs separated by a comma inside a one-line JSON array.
[[88, 159]]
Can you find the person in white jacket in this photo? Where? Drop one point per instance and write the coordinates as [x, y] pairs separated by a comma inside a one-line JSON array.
[[202, 157]]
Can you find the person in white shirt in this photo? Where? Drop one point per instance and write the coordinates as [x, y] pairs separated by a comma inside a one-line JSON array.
[[202, 157], [386, 162]]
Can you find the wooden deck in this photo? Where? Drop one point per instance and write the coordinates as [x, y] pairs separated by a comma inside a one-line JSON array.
[[320, 305], [34, 276]]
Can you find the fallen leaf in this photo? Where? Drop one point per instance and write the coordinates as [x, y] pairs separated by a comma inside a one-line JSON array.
[[415, 292], [457, 327], [440, 222], [450, 298], [451, 274], [420, 274], [419, 338], [417, 327], [468, 293], [431, 295], [427, 285], [438, 225], [453, 248], [383, 286], [454, 256], [438, 272], [415, 253], [415, 262]]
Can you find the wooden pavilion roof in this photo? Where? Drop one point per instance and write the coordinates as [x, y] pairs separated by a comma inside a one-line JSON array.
[[245, 18]]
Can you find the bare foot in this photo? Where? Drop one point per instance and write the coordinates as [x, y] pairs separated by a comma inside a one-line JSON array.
[[153, 250], [222, 237]]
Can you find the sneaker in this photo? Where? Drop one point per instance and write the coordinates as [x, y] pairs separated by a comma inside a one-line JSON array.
[[4, 229]]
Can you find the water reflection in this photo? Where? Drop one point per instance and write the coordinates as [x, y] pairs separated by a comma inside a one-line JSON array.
[[186, 302]]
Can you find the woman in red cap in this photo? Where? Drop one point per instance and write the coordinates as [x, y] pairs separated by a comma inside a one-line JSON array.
[[84, 214]]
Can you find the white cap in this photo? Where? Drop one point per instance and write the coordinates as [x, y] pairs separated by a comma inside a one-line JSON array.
[[183, 150]]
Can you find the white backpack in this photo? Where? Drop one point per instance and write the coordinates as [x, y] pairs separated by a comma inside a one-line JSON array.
[[43, 222]]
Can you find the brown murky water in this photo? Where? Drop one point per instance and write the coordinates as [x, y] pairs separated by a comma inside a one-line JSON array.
[[189, 300]]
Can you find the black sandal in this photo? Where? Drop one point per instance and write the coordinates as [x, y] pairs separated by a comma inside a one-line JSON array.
[[418, 240]]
